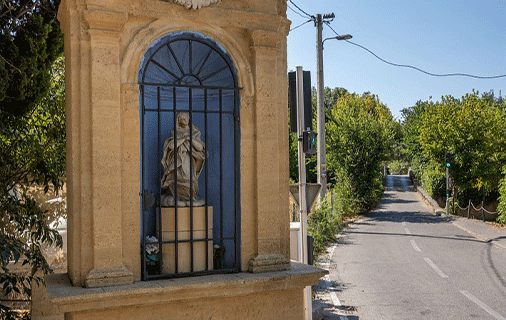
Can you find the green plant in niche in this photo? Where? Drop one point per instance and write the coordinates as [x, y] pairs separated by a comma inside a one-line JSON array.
[[218, 254], [152, 251]]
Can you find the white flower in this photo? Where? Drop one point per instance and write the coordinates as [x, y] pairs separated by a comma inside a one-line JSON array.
[[152, 246]]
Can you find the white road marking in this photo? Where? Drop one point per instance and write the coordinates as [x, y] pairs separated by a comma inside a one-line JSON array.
[[482, 305], [413, 243], [337, 303], [407, 231], [433, 266], [333, 296]]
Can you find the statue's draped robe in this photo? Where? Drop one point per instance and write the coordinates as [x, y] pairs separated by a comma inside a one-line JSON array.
[[185, 166]]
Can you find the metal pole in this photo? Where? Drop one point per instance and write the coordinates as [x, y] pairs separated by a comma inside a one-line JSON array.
[[320, 110], [302, 189], [447, 191]]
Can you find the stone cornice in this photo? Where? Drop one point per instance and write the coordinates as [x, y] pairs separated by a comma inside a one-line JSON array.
[[75, 299], [105, 20]]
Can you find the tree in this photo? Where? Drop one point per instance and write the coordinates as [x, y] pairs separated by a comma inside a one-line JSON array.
[[360, 136], [32, 148], [32, 138], [472, 130], [30, 41]]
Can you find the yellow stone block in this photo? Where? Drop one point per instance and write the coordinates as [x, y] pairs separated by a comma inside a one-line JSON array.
[[186, 231]]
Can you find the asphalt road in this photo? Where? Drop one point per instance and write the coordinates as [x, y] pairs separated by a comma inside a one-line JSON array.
[[403, 262]]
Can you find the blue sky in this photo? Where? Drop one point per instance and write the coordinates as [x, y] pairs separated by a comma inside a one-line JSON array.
[[444, 36]]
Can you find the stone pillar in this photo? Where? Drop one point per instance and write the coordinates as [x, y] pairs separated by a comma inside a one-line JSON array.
[[95, 149], [272, 225], [105, 103]]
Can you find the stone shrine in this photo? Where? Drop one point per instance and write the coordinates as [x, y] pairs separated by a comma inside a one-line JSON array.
[[108, 45]]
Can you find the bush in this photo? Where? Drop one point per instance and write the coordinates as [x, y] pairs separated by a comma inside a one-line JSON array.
[[433, 181], [398, 166], [324, 223], [502, 199]]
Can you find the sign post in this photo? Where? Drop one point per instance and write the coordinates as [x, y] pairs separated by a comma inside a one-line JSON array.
[[302, 189]]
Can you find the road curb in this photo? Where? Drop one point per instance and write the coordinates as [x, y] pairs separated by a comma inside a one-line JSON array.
[[478, 236], [438, 211]]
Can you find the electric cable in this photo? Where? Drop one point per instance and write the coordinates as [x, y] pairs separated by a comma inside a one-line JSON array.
[[300, 25], [304, 12], [416, 68], [296, 12]]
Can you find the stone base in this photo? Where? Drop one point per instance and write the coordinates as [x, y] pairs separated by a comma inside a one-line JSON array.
[[108, 277], [268, 263], [193, 227], [271, 295]]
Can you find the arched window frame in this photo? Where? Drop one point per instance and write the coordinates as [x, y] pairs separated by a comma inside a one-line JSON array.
[[190, 79]]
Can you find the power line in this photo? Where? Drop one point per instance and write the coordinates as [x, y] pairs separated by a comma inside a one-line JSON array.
[[416, 68], [300, 25], [296, 12], [304, 12]]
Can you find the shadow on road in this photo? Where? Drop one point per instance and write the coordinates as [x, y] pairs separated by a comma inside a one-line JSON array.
[[323, 310], [456, 238], [411, 217]]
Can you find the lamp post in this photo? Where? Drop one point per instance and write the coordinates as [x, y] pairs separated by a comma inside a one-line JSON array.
[[320, 100]]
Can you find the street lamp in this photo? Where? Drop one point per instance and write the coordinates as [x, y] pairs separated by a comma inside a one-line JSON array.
[[320, 98], [343, 37]]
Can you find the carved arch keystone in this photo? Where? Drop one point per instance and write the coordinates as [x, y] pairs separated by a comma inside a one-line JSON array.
[[194, 4]]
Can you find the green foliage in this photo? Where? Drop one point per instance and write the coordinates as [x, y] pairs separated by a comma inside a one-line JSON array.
[[30, 41], [398, 166], [360, 136], [472, 130], [502, 199], [324, 223], [32, 150]]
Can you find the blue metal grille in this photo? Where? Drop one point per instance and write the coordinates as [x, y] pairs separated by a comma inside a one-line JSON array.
[[188, 72]]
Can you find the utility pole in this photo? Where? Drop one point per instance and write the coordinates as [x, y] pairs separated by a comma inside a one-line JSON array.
[[320, 99], [320, 107]]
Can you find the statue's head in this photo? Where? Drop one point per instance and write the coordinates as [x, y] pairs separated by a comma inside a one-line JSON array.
[[183, 119]]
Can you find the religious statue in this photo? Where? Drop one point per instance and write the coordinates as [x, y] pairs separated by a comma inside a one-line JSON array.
[[183, 160]]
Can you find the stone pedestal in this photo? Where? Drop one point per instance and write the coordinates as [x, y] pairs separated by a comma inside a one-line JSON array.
[[191, 224]]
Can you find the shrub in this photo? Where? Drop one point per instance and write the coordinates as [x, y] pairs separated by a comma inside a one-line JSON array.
[[502, 199], [324, 223]]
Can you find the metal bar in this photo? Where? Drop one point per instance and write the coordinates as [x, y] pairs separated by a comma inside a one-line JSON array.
[[165, 69], [183, 241], [212, 74], [158, 212], [182, 85], [205, 60], [190, 69], [189, 240], [237, 162], [221, 167], [194, 111], [175, 59], [190, 149], [469, 209], [196, 273], [205, 180], [176, 244], [143, 241]]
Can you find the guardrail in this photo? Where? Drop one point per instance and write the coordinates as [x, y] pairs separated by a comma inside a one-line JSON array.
[[481, 209]]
